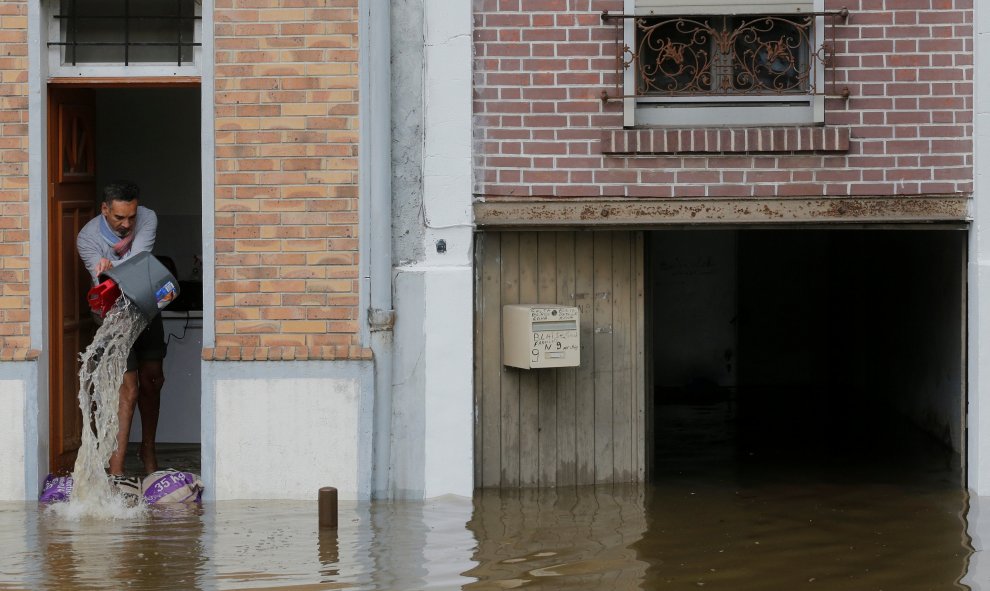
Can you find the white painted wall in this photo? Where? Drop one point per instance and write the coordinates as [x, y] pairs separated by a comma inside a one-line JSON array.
[[433, 413], [447, 123], [408, 432], [449, 450], [286, 438], [12, 440], [979, 269], [179, 418], [447, 215]]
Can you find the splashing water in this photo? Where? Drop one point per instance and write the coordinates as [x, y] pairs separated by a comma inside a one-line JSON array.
[[100, 376]]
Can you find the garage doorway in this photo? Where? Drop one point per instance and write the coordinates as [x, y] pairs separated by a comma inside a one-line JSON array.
[[827, 352]]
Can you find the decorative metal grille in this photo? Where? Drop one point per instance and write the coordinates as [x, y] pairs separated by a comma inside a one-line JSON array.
[[725, 56], [126, 31]]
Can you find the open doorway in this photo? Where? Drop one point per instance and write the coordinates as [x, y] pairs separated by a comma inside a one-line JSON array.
[[808, 353], [150, 135]]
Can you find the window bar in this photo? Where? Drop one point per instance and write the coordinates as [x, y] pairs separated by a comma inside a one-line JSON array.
[[842, 13], [621, 49], [831, 69], [72, 18], [178, 34], [158, 17], [133, 44], [75, 30], [127, 32]]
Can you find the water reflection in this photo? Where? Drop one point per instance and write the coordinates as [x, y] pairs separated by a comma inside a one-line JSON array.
[[43, 551], [722, 532], [241, 545], [686, 535], [784, 537], [572, 538], [762, 502], [977, 573], [402, 545]]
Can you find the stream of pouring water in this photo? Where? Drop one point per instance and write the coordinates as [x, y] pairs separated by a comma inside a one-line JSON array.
[[100, 375]]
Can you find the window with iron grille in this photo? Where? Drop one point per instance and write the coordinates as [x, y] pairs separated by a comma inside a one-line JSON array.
[[124, 32], [723, 55], [722, 62]]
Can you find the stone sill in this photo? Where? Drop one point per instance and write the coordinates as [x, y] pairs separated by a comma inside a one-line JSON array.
[[286, 353], [751, 140]]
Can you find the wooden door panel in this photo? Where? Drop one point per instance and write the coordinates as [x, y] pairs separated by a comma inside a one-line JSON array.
[[563, 426], [529, 381], [77, 326], [70, 432], [76, 152], [72, 203]]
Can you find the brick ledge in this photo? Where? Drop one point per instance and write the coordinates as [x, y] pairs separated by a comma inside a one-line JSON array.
[[19, 354], [725, 140], [286, 353]]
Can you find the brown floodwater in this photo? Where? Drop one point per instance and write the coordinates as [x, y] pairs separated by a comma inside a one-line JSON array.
[[736, 515]]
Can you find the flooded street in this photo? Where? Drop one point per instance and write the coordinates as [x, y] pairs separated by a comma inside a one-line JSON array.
[[730, 509], [241, 545], [630, 537], [684, 535]]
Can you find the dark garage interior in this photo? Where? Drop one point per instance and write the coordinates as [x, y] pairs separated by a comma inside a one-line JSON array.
[[823, 354]]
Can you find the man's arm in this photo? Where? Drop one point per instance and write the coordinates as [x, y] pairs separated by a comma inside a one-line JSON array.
[[89, 252]]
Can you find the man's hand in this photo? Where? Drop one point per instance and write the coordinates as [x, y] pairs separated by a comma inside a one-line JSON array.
[[102, 267]]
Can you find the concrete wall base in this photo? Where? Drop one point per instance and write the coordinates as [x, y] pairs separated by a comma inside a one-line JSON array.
[[23, 432], [12, 440], [282, 430]]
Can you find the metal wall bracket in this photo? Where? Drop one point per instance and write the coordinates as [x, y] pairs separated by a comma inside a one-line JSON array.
[[380, 320]]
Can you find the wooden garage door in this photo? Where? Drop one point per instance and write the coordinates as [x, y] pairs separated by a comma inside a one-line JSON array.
[[555, 427]]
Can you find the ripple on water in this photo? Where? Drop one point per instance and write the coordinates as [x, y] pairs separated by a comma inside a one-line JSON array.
[[678, 536]]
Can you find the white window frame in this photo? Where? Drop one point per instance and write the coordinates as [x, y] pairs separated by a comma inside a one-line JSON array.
[[57, 69], [725, 111]]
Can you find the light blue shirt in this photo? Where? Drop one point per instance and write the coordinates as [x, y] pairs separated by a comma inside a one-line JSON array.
[[92, 246]]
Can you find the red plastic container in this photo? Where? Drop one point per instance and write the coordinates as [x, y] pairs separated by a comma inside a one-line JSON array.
[[102, 297]]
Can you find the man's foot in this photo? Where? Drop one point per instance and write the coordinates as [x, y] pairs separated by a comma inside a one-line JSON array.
[[148, 458]]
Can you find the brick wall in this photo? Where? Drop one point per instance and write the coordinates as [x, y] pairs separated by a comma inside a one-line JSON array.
[[541, 129], [14, 299], [286, 183]]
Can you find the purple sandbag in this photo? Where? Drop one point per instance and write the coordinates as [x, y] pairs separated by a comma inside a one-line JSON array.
[[172, 486], [56, 489]]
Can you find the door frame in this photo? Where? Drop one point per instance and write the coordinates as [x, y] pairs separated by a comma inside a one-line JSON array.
[[35, 374], [46, 432]]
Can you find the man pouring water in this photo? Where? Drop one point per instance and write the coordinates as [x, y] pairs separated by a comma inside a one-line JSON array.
[[122, 230]]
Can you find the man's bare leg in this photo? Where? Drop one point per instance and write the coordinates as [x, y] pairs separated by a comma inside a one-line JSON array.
[[125, 412], [151, 379]]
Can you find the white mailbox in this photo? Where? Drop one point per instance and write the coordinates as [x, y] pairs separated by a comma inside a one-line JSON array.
[[541, 335]]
